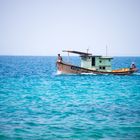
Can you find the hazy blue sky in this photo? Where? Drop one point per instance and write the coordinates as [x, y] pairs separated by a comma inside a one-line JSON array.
[[45, 27]]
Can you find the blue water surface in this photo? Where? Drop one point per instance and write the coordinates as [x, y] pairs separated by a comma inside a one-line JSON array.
[[38, 104]]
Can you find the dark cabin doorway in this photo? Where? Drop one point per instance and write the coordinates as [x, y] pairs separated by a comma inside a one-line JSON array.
[[93, 61]]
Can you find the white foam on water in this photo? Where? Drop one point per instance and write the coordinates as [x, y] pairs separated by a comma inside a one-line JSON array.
[[89, 74], [58, 73], [106, 74], [137, 73]]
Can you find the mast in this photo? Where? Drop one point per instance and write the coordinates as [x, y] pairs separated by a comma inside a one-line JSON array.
[[87, 50], [106, 50], [68, 57]]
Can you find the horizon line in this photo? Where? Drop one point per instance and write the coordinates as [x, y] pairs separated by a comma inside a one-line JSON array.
[[67, 55]]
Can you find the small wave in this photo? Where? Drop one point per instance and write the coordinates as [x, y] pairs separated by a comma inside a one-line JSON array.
[[58, 73], [136, 73], [106, 74], [89, 74]]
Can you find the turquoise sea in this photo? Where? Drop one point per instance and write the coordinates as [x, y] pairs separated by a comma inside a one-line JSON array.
[[38, 104]]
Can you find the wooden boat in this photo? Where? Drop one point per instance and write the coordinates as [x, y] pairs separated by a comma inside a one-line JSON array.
[[91, 64]]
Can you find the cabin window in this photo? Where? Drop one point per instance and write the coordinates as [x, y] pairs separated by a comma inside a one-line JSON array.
[[102, 68], [93, 61], [100, 61], [84, 58]]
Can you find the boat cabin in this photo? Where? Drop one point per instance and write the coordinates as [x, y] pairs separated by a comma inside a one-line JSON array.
[[102, 63], [94, 62]]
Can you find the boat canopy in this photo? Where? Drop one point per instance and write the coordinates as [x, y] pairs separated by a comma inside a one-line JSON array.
[[77, 52], [106, 57]]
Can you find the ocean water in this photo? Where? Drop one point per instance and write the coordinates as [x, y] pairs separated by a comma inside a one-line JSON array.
[[38, 104]]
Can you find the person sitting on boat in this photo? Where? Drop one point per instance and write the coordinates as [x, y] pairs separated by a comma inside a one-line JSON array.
[[133, 66], [59, 58]]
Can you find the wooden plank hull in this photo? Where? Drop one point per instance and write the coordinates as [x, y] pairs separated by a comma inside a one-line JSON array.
[[66, 68]]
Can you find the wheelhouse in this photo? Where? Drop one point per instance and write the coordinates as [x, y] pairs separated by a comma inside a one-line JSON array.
[[102, 63]]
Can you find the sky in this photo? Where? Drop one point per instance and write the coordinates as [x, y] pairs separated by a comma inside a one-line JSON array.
[[46, 27]]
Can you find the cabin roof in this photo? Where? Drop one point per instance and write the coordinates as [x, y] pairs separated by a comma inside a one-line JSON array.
[[106, 57], [77, 52], [88, 54], [96, 56]]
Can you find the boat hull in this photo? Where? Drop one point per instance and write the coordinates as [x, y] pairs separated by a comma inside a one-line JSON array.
[[66, 68]]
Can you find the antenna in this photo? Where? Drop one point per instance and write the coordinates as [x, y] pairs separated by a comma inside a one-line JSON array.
[[87, 49], [106, 50], [68, 57]]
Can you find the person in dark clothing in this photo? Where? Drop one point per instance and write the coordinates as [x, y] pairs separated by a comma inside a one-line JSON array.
[[59, 59], [133, 66]]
